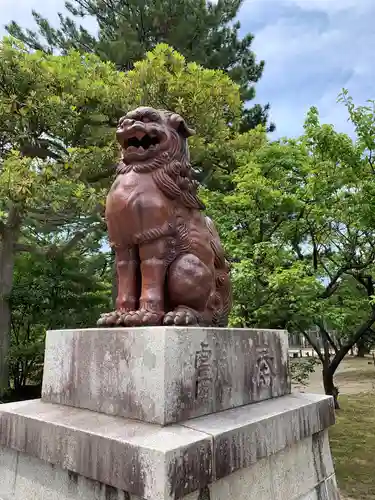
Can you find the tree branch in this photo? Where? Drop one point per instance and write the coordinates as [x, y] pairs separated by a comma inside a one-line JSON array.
[[20, 247], [350, 343], [298, 251], [74, 241], [53, 250], [333, 284], [326, 334], [315, 250], [366, 281], [43, 153], [2, 228], [371, 160], [314, 346], [326, 351]]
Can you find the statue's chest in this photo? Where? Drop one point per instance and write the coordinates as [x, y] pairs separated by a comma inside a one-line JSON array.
[[134, 192]]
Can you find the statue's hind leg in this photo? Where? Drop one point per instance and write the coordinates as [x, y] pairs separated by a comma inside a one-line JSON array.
[[190, 291]]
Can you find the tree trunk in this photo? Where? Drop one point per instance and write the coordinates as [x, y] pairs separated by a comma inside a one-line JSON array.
[[6, 283], [362, 349], [330, 365], [328, 371], [329, 387]]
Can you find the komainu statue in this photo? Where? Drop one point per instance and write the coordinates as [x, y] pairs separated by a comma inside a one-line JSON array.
[[170, 264]]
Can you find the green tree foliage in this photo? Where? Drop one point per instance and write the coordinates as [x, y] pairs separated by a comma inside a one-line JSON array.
[[203, 31], [301, 369], [207, 99], [299, 225], [67, 291], [57, 149], [48, 108]]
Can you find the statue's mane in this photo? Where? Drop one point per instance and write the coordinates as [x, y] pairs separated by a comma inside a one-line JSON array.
[[172, 177]]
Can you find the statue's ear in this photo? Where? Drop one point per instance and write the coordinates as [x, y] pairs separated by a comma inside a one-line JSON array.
[[121, 121], [179, 124]]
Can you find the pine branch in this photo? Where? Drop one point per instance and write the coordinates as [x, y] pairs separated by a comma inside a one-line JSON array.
[[38, 152], [23, 248], [69, 246], [54, 250]]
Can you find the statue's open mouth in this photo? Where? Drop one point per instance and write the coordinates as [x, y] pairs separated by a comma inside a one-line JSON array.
[[140, 142]]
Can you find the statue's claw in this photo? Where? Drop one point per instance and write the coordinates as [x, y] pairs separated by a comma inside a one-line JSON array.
[[142, 317], [108, 319], [181, 316]]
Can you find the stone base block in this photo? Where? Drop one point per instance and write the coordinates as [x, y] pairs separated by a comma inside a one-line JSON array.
[[261, 452], [303, 471], [164, 374]]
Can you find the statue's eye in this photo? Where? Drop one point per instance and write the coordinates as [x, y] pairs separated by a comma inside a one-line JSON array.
[[153, 117]]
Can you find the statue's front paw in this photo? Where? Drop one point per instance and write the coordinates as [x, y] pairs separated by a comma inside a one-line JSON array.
[[182, 316], [108, 319], [142, 317]]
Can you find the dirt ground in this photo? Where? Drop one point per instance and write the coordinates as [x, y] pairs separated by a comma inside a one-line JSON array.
[[354, 375]]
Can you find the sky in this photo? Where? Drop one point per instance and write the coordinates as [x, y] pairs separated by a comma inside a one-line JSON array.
[[312, 49]]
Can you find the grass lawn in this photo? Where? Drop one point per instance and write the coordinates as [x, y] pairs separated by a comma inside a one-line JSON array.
[[353, 445]]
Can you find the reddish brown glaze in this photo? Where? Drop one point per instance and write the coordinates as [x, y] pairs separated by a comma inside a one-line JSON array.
[[170, 264]]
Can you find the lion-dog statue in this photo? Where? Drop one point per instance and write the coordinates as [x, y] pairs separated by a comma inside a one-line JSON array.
[[170, 264]]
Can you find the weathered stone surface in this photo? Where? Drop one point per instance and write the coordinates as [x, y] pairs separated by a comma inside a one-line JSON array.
[[165, 463], [332, 491], [144, 459], [307, 466], [35, 479], [244, 435], [290, 474], [164, 374], [326, 490], [8, 466]]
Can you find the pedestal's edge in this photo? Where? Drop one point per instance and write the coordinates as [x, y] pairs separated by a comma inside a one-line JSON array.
[[141, 329], [244, 435], [143, 459], [161, 462]]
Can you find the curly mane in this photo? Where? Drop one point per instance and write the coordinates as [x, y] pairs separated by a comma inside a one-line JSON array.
[[173, 177]]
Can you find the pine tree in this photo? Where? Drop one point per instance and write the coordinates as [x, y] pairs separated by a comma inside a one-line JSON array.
[[202, 31]]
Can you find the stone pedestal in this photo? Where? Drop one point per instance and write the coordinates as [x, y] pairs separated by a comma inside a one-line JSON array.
[[164, 375], [249, 438]]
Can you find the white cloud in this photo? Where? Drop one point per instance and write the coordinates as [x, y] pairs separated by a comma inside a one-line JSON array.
[[312, 49], [331, 6]]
